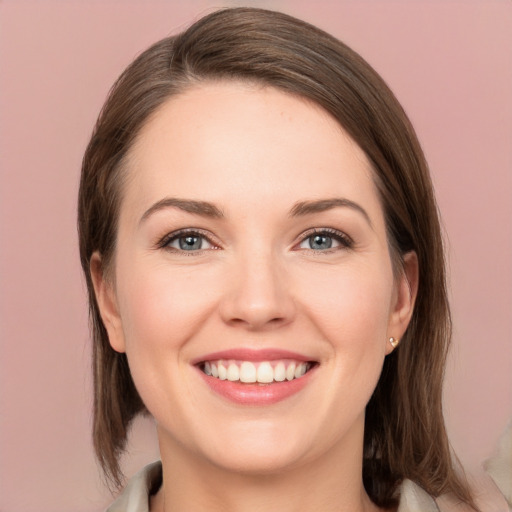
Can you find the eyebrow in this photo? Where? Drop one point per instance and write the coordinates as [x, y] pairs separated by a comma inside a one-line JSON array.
[[322, 205], [202, 208], [299, 209]]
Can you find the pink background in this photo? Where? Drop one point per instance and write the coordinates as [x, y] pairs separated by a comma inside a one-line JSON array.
[[449, 62]]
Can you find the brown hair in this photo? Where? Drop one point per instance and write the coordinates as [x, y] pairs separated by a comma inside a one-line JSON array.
[[404, 432]]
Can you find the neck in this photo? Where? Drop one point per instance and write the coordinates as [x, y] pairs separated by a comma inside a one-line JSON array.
[[331, 483]]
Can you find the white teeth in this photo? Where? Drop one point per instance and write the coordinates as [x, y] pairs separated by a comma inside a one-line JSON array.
[[223, 373], [264, 372], [233, 372], [279, 372], [248, 372], [300, 370], [290, 372]]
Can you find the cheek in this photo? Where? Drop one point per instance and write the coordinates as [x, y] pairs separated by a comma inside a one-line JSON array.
[[162, 307], [350, 304], [351, 311]]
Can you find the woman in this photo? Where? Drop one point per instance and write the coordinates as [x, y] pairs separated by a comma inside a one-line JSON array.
[[261, 244]]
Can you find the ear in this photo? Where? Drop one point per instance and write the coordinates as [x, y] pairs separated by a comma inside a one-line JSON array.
[[107, 303], [404, 298]]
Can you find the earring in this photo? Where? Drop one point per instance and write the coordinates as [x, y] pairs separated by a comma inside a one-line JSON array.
[[394, 342]]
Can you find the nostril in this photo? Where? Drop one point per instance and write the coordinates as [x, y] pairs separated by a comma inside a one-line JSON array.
[[254, 322]]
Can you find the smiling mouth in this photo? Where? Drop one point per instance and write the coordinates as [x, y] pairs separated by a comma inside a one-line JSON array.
[[251, 372]]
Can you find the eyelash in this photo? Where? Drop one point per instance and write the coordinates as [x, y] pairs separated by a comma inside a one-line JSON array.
[[344, 240], [165, 242]]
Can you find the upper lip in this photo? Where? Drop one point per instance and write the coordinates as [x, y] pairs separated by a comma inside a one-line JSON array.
[[248, 354]]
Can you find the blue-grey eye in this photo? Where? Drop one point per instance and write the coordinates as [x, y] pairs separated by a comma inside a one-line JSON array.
[[189, 242], [320, 242], [323, 241]]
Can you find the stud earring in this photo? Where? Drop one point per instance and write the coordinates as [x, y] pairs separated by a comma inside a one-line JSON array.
[[394, 342]]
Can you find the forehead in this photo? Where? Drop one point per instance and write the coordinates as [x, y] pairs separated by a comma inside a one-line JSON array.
[[227, 142]]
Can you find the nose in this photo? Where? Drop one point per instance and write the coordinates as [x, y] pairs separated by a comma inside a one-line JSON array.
[[257, 295]]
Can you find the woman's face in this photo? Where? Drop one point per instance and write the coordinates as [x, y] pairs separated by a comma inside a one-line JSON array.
[[252, 245]]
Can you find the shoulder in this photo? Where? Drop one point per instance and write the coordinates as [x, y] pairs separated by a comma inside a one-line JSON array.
[[414, 499], [499, 466], [135, 496], [488, 494]]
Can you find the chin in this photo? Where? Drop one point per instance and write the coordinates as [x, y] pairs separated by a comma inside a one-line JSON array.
[[254, 461], [257, 447]]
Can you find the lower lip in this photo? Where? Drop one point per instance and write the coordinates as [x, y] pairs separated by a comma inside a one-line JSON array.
[[257, 394]]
